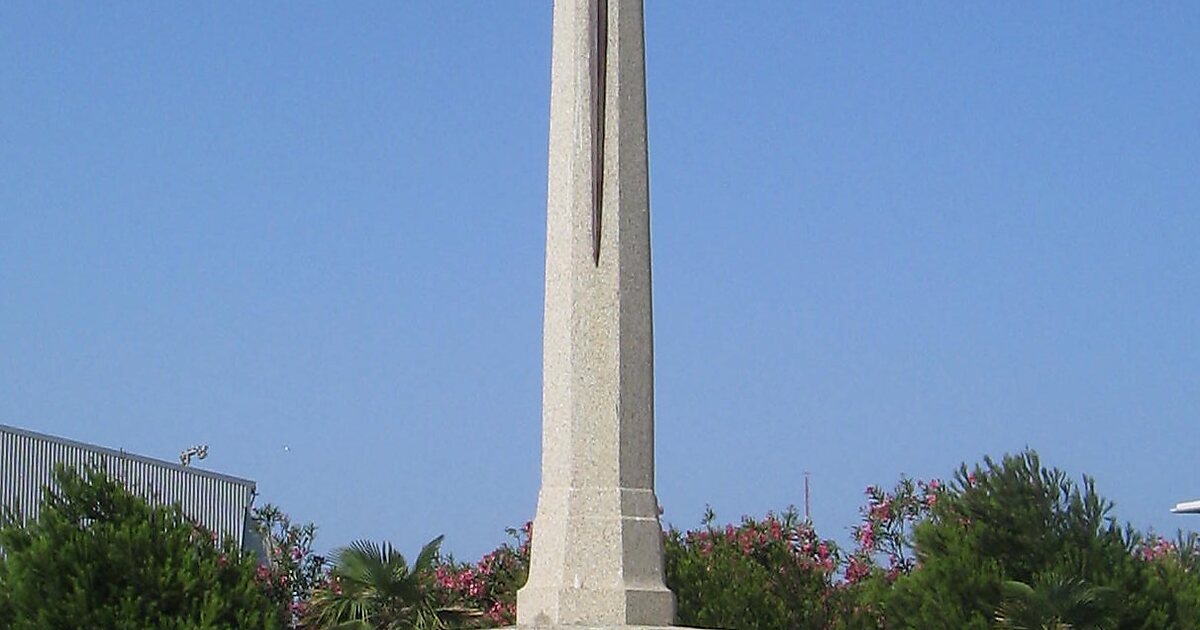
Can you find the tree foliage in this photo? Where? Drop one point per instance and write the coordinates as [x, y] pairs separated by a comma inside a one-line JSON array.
[[1009, 543], [1015, 521], [769, 573], [98, 556]]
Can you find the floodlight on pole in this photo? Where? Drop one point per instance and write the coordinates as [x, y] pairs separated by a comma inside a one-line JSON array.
[[199, 451]]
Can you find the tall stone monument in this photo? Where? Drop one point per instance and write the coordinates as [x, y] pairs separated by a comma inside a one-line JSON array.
[[597, 558]]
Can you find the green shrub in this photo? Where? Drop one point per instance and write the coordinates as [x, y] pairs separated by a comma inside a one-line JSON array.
[[1015, 521], [773, 573], [1162, 590], [98, 556]]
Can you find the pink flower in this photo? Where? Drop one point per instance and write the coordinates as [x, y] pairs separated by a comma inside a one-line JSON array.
[[857, 570], [867, 535], [746, 540], [881, 511]]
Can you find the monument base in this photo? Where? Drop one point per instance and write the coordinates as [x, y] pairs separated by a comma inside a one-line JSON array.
[[598, 628], [596, 560]]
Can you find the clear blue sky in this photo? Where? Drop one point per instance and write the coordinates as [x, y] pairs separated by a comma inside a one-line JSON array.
[[888, 239]]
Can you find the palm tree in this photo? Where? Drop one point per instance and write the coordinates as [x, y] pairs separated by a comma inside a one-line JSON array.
[[1055, 603], [372, 587]]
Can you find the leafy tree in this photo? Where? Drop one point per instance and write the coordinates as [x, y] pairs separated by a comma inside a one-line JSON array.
[[7, 614], [373, 587], [98, 556], [1015, 521]]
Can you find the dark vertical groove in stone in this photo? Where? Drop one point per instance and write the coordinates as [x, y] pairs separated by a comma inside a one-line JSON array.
[[600, 102]]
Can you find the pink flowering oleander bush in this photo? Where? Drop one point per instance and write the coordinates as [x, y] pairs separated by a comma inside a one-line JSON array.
[[291, 571], [718, 574], [487, 590], [884, 536], [769, 573], [1166, 592]]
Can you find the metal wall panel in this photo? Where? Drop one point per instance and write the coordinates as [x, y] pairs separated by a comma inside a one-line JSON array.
[[218, 502]]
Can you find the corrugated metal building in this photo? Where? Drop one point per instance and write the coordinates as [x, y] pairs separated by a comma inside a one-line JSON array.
[[27, 460]]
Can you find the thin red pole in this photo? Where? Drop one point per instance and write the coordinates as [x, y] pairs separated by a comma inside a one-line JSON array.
[[807, 512]]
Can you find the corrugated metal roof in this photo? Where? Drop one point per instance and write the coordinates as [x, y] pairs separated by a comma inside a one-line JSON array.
[[27, 460]]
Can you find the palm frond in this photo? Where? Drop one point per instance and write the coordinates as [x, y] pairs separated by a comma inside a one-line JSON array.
[[428, 555], [377, 588], [1055, 602]]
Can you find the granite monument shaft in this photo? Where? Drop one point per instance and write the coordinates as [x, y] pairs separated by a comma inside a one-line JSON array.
[[597, 542]]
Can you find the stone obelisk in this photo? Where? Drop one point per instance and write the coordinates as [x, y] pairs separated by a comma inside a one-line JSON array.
[[597, 557]]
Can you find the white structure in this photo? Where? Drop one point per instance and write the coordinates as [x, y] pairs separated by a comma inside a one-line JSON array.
[[1187, 507], [597, 557]]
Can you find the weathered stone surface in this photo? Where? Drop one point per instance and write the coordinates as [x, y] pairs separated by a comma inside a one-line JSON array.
[[597, 628], [597, 558]]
